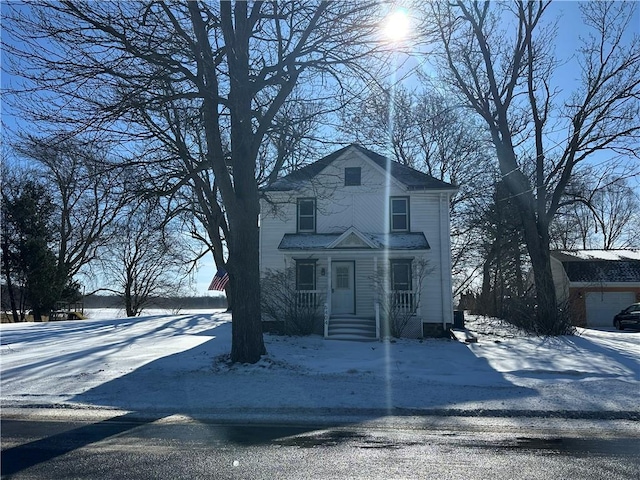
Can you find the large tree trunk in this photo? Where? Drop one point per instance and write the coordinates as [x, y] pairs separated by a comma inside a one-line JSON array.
[[229, 294], [537, 240], [536, 233], [485, 294], [247, 344], [128, 302], [37, 314]]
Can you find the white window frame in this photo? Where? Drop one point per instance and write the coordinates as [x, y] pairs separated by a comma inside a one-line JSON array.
[[299, 216], [404, 214]]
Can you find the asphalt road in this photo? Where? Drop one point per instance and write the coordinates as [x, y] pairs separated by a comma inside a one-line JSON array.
[[127, 447]]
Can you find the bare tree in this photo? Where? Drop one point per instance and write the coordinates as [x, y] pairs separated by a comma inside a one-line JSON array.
[[615, 209], [427, 130], [88, 190], [541, 134], [85, 193], [177, 174], [503, 269], [147, 261], [228, 66], [604, 214], [572, 228]]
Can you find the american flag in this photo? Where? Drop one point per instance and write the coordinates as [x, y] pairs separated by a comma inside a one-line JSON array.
[[220, 280]]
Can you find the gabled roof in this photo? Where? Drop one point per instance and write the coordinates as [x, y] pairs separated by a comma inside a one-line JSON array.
[[600, 266], [411, 178], [353, 238]]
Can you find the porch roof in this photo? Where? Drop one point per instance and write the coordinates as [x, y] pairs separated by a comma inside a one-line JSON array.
[[323, 241]]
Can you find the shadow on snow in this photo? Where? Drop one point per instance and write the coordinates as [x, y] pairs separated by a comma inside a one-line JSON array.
[[194, 382]]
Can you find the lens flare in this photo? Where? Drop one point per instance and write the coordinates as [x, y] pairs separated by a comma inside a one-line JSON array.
[[397, 25]]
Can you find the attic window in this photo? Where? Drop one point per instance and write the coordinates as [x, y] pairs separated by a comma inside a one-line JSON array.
[[352, 176]]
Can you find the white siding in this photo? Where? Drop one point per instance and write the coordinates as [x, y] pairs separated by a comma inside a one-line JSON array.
[[274, 223], [560, 280], [364, 207]]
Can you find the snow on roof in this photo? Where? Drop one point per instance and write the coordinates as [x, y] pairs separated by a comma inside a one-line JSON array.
[[321, 241], [586, 255], [600, 266], [602, 271]]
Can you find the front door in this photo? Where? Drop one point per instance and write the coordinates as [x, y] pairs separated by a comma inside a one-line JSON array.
[[343, 293]]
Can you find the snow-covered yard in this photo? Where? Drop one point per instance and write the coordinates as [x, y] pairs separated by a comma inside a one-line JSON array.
[[176, 364]]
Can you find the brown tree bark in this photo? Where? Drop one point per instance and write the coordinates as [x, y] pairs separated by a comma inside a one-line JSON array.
[[7, 270]]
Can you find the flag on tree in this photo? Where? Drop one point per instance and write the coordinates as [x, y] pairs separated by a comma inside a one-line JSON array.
[[220, 280]]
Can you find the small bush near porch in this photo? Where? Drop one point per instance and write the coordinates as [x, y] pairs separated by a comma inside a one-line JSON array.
[[398, 306], [297, 312]]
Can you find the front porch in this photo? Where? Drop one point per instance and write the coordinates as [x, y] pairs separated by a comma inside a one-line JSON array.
[[365, 285], [395, 306]]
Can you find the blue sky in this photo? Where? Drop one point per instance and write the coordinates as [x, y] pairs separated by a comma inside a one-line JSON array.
[[570, 28]]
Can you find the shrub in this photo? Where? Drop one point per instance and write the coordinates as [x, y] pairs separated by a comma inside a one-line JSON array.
[[296, 312]]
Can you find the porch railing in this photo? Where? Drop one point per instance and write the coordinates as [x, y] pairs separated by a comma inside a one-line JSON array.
[[308, 299], [404, 302]]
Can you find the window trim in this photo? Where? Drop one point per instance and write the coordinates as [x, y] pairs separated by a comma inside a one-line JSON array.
[[401, 261], [298, 216], [353, 170], [306, 262], [407, 214]]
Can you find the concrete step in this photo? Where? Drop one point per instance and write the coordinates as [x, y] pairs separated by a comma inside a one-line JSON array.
[[353, 338], [352, 328]]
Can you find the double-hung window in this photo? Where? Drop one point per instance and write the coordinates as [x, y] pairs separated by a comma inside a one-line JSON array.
[[306, 284], [307, 215], [400, 275], [402, 298], [305, 275], [399, 211]]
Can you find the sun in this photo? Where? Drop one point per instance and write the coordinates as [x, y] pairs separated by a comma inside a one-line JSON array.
[[397, 25]]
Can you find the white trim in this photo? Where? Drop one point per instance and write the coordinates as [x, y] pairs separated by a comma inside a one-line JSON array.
[[380, 170], [352, 230], [329, 282], [376, 292], [407, 213], [445, 261], [354, 293]]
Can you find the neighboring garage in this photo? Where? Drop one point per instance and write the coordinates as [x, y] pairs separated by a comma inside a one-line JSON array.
[[596, 284], [601, 307]]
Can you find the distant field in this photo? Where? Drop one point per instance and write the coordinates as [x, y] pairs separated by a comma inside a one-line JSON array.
[[109, 313]]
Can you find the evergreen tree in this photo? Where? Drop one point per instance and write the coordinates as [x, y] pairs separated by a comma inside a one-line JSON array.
[[28, 261]]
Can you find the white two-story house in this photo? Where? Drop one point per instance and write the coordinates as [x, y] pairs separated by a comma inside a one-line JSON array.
[[367, 237]]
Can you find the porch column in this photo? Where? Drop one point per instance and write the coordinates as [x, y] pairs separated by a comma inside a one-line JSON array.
[[376, 293], [327, 308]]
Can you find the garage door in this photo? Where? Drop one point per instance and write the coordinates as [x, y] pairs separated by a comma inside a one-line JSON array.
[[602, 306]]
